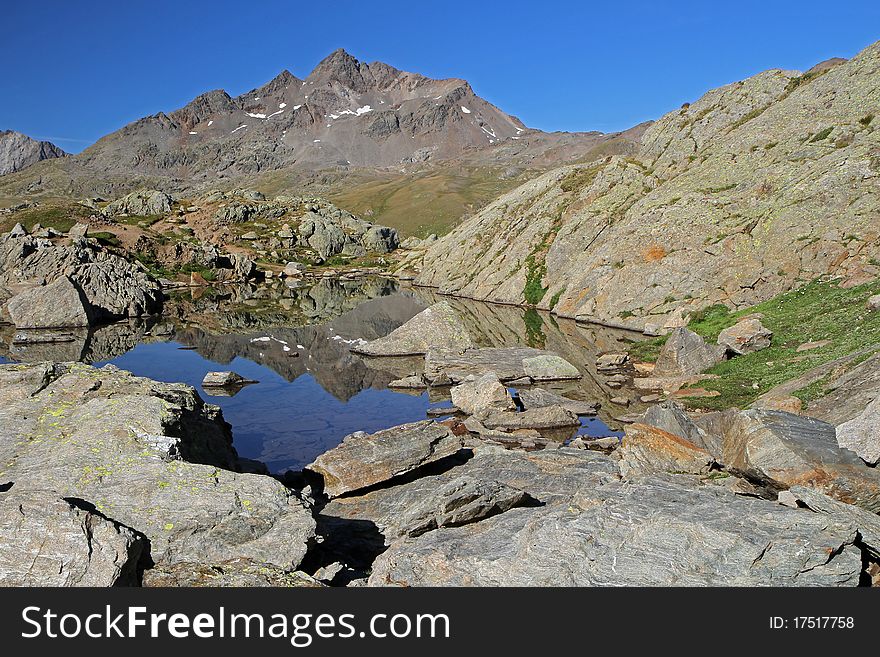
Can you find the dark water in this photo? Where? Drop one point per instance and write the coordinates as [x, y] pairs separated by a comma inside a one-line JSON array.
[[295, 342]]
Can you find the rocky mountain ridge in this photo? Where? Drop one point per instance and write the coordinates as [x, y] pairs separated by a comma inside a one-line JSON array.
[[18, 151], [749, 191], [346, 114]]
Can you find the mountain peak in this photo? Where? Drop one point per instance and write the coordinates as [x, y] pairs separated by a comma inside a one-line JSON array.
[[18, 151]]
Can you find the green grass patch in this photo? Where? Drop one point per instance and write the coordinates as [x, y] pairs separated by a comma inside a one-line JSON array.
[[579, 179], [59, 217], [822, 134], [106, 238], [817, 311], [535, 337], [534, 290]]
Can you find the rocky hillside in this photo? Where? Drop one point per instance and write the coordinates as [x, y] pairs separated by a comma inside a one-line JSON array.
[[346, 114], [18, 151], [745, 193]]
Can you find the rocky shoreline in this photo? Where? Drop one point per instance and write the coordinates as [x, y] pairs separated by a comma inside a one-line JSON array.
[[111, 479]]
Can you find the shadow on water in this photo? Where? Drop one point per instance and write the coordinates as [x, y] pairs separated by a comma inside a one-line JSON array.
[[295, 341]]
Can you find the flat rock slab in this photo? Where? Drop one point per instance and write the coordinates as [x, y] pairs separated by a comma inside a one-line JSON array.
[[508, 363], [492, 482], [437, 326], [659, 531], [538, 398], [363, 459], [150, 456], [47, 541], [224, 379], [544, 417]]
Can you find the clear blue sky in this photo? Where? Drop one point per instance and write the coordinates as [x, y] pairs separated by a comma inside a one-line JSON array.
[[74, 71]]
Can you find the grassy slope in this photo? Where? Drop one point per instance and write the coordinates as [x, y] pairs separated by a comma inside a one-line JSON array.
[[818, 311]]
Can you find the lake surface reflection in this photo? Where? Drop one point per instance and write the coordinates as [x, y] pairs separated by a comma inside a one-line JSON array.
[[295, 341]]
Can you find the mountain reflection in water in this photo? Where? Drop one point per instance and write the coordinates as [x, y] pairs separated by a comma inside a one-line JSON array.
[[295, 342]]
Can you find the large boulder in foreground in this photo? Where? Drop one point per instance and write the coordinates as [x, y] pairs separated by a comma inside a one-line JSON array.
[[150, 456], [436, 326], [508, 363], [686, 353], [785, 450], [659, 531], [363, 460], [49, 541]]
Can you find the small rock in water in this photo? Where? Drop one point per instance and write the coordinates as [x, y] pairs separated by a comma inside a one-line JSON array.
[[412, 381], [221, 379]]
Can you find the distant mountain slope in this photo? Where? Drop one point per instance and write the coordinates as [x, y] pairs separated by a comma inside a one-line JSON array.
[[417, 153], [745, 193], [18, 151], [345, 115]]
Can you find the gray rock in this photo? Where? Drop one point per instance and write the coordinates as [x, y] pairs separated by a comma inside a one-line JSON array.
[[437, 326], [649, 450], [362, 459], [686, 353], [250, 235], [150, 456], [873, 303], [78, 230], [862, 433], [508, 363], [788, 450], [745, 337], [380, 239], [56, 305], [866, 524], [538, 398], [140, 203], [221, 379], [18, 231], [238, 572], [543, 417], [48, 541], [611, 361], [671, 417], [115, 291], [485, 392], [667, 531], [293, 269]]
